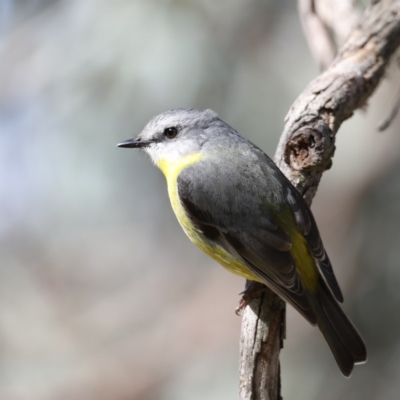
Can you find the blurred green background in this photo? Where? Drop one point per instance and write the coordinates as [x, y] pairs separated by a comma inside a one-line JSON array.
[[101, 294]]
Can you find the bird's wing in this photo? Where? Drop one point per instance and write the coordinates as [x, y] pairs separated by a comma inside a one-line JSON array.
[[308, 227], [260, 244]]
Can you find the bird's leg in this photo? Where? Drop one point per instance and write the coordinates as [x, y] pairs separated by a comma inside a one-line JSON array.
[[251, 290]]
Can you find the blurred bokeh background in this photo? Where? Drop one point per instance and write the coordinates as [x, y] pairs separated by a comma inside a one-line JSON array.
[[101, 294]]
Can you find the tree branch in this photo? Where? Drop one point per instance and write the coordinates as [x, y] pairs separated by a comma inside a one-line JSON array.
[[326, 25], [319, 37], [304, 152]]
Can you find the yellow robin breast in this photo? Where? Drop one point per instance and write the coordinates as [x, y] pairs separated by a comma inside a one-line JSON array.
[[305, 263], [171, 170]]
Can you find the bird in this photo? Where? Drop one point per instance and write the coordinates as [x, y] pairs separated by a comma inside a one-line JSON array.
[[235, 204]]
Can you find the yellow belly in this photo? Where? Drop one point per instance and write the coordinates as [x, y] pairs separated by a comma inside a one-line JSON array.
[[304, 261], [171, 171]]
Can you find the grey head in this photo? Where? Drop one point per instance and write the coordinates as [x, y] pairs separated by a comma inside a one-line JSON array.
[[177, 133]]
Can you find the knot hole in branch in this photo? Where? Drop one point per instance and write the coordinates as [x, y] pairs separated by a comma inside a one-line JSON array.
[[309, 148]]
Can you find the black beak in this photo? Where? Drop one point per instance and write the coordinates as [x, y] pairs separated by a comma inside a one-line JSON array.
[[133, 143]]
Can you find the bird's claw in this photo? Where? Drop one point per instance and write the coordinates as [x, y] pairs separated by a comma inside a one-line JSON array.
[[243, 302], [252, 291]]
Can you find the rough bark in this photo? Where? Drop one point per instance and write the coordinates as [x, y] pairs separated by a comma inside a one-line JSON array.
[[304, 152]]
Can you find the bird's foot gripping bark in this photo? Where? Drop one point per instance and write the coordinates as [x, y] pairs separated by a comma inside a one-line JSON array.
[[252, 290]]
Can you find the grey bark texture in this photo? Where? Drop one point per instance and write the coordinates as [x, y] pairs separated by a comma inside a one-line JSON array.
[[304, 152]]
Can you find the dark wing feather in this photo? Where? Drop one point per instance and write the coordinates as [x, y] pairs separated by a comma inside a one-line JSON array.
[[308, 227], [265, 250], [276, 268]]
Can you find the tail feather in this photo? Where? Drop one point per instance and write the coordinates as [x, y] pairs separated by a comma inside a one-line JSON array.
[[345, 342]]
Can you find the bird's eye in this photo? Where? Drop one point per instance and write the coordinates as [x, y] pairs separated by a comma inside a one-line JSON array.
[[170, 132]]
